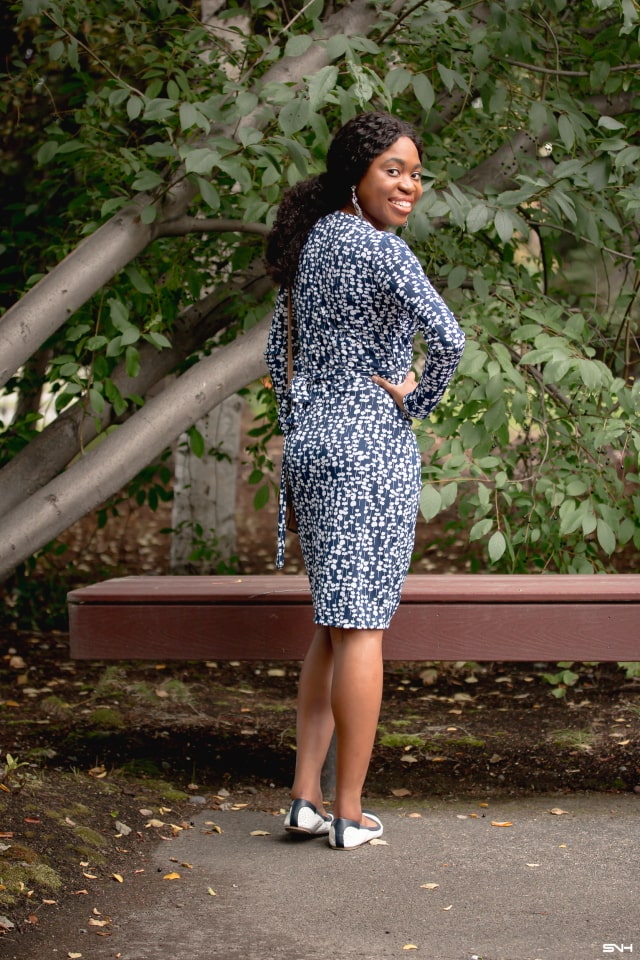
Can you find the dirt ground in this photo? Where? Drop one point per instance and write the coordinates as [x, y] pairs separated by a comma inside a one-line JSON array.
[[100, 761]]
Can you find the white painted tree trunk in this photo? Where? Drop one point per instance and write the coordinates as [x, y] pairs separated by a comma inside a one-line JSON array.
[[204, 505]]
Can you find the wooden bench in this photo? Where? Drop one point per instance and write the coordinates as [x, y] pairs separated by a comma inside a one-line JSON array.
[[538, 617]]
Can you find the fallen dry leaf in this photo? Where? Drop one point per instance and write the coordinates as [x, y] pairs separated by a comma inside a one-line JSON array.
[[89, 876], [558, 811], [401, 792], [414, 816], [98, 923], [155, 823], [501, 823], [377, 842], [429, 886], [409, 946], [171, 876], [74, 956], [211, 892], [533, 864], [259, 833], [116, 876], [450, 907]]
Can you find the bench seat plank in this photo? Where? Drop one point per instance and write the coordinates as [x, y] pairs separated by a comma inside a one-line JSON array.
[[546, 617], [418, 588]]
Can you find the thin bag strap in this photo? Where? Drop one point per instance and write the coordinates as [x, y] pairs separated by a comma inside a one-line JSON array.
[[289, 337]]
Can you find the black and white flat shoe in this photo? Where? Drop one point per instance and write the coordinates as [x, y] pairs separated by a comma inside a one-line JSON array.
[[347, 834], [303, 817]]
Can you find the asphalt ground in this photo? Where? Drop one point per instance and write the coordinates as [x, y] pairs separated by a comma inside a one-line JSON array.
[[528, 879]]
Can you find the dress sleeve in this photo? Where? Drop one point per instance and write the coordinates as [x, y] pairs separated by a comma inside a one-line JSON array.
[[276, 354], [405, 281]]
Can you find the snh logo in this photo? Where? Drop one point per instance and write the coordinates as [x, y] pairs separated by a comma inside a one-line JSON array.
[[617, 948]]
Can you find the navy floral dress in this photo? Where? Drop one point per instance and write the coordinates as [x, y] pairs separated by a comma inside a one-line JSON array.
[[350, 453]]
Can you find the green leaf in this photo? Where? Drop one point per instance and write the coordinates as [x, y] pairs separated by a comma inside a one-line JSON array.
[[141, 284], [606, 537], [96, 343], [209, 194], [129, 335], [456, 277], [157, 339], [96, 400], [196, 442], [294, 116], [188, 116], [261, 497], [496, 546], [297, 154], [478, 217], [132, 362], [337, 46], [480, 529], [610, 123], [298, 45], [159, 108], [119, 314], [47, 152], [503, 225], [566, 131], [397, 80], [201, 160], [430, 502], [149, 213], [424, 91], [147, 180], [56, 50], [320, 86]]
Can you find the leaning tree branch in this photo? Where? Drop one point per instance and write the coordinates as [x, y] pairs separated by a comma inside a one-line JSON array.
[[184, 225], [101, 473], [559, 72], [51, 450]]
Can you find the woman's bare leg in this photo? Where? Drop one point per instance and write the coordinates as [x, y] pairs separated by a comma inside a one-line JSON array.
[[314, 718], [356, 695]]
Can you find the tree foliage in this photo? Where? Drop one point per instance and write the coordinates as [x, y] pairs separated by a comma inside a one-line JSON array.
[[147, 117]]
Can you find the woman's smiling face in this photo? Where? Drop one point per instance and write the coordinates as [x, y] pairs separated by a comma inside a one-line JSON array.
[[392, 185]]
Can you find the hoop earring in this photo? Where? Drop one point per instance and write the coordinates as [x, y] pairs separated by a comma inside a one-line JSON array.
[[356, 205]]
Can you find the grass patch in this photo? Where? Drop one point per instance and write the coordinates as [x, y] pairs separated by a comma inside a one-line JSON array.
[[402, 740], [573, 739]]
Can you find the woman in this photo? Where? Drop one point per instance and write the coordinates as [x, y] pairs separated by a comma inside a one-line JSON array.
[[351, 461]]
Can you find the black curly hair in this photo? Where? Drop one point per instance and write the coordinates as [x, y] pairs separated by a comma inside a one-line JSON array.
[[352, 150]]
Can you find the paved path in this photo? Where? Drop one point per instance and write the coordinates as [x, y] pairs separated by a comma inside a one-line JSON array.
[[551, 886]]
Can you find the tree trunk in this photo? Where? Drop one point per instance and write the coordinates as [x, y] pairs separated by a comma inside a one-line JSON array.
[[204, 493]]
